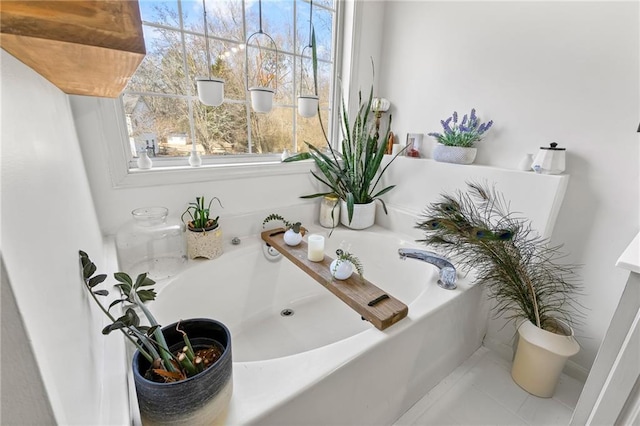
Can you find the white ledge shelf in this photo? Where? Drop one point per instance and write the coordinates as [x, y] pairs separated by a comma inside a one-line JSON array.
[[630, 258]]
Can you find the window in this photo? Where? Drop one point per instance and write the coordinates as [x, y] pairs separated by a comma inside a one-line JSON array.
[[161, 108]]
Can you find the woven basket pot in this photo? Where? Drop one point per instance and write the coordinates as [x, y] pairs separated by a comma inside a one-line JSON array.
[[204, 242], [454, 154]]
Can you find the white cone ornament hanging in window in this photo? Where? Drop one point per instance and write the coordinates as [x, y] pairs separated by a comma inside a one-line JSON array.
[[264, 80], [210, 89]]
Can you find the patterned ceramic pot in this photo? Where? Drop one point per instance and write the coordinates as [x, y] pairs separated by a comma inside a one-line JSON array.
[[205, 242], [454, 154], [201, 399]]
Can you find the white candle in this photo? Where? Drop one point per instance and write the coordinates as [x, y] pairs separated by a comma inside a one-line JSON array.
[[315, 248]]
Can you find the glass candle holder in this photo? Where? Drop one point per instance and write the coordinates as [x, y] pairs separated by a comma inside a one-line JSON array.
[[315, 248], [329, 211]]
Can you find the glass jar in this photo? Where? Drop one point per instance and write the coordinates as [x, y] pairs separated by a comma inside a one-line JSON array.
[[151, 243], [328, 206]]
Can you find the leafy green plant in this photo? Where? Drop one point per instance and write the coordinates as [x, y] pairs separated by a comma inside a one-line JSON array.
[[147, 338], [295, 226], [521, 270], [199, 214], [345, 256], [354, 172]]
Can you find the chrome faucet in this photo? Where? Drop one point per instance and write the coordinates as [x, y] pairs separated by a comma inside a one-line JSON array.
[[446, 269]]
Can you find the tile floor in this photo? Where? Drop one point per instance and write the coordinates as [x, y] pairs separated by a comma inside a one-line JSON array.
[[481, 392]]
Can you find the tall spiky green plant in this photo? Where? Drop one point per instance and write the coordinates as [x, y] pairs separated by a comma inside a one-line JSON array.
[[353, 174], [521, 270]]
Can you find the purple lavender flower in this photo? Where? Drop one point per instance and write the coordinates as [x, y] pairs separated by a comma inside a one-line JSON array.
[[462, 134]]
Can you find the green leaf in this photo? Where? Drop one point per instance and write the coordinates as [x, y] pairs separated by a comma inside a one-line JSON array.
[[88, 270], [146, 295], [141, 279], [297, 157], [114, 303], [115, 326], [97, 280], [123, 277], [101, 293]]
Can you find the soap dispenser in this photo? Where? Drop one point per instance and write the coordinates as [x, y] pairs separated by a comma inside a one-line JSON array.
[[550, 160]]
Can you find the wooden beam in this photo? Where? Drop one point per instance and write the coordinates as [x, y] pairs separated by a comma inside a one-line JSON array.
[[83, 47], [372, 303]]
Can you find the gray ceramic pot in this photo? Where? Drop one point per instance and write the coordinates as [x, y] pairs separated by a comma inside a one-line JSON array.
[[201, 399]]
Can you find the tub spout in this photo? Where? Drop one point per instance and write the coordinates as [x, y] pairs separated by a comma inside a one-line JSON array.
[[446, 269]]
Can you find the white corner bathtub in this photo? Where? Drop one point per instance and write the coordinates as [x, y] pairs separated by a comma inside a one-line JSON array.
[[324, 365]]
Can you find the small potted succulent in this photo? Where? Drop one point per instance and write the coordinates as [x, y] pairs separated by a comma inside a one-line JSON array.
[[182, 372], [294, 230], [343, 265], [523, 275], [204, 236], [456, 144]]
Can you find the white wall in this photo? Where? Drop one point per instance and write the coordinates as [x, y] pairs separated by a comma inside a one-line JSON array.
[[47, 215], [543, 71]]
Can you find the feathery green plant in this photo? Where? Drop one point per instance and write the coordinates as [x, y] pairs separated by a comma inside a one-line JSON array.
[[521, 270], [289, 225]]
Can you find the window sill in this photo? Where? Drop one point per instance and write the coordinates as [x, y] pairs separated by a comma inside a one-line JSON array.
[[212, 172]]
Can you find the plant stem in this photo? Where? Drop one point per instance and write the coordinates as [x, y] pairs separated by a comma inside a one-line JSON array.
[[164, 352], [131, 339]]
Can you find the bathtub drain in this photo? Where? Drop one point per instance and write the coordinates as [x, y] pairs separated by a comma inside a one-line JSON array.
[[287, 312]]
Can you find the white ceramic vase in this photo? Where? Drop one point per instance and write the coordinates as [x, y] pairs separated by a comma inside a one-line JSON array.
[[364, 215], [292, 238], [143, 161], [540, 358], [307, 105], [454, 154], [341, 269], [261, 98]]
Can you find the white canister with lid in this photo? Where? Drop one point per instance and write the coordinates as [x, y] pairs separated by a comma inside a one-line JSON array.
[[550, 160]]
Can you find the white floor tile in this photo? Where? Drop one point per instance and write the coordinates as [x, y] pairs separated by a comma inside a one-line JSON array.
[[470, 406], [481, 392], [492, 378], [544, 412], [568, 391]]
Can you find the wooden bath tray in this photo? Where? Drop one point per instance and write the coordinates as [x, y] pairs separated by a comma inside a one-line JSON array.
[[373, 304]]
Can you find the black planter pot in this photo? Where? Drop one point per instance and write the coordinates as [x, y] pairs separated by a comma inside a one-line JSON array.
[[201, 399]]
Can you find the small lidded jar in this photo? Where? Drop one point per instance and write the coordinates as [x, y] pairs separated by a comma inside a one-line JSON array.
[[329, 211], [151, 243]]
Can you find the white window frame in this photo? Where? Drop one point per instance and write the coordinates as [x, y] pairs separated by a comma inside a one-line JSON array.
[[170, 170]]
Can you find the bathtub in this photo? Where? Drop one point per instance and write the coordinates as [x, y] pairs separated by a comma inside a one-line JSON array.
[[322, 364]]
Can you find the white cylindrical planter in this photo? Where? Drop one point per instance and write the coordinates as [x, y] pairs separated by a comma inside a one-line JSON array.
[[364, 215], [454, 154], [307, 105], [540, 358], [261, 98], [210, 91]]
